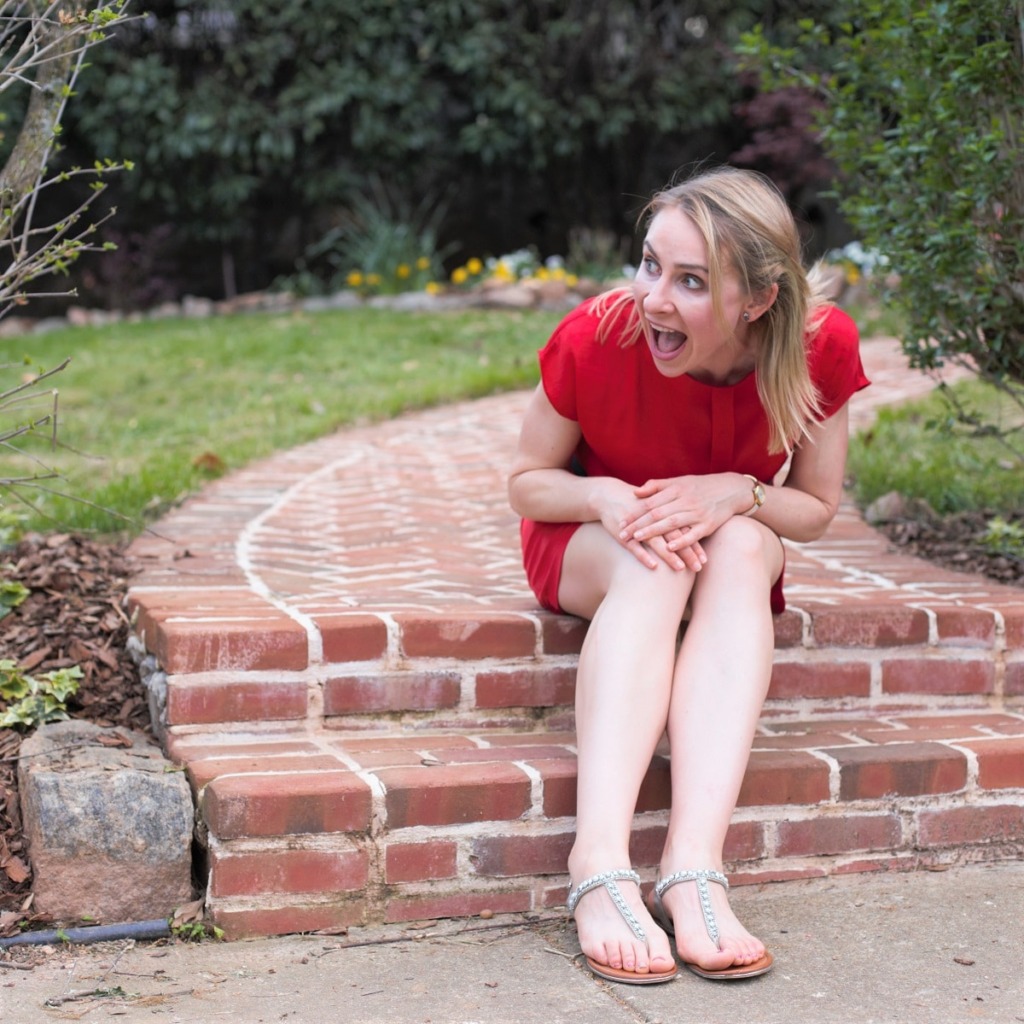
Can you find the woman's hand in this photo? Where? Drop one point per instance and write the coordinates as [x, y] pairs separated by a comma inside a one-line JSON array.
[[617, 503], [682, 510]]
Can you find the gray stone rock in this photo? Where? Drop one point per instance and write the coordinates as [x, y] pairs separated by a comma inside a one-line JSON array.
[[109, 824]]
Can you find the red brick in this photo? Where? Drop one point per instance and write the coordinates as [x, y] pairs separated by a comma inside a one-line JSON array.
[[280, 805], [656, 788], [745, 840], [1013, 619], [754, 877], [425, 908], [420, 862], [783, 777], [966, 626], [198, 746], [799, 741], [879, 626], [393, 691], [260, 644], [960, 826], [287, 871], [899, 769], [832, 835], [870, 865], [194, 703], [508, 856], [562, 634], [290, 920], [467, 636], [929, 675], [1014, 682], [352, 637], [789, 630], [559, 781], [1000, 763], [205, 770], [454, 794], [820, 679], [531, 753], [542, 687]]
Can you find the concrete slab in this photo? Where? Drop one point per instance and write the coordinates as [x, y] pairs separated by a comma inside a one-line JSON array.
[[925, 948]]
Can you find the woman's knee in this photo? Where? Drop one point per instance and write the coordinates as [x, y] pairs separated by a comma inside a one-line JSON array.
[[744, 546]]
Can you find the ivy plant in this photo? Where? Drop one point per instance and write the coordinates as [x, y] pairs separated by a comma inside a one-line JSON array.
[[33, 700]]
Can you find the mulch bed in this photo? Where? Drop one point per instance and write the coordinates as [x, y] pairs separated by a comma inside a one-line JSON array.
[[75, 616], [957, 542]]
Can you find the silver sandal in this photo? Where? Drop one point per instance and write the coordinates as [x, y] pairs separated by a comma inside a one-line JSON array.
[[760, 966], [607, 879]]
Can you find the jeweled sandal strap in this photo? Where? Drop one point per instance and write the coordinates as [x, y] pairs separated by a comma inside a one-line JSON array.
[[608, 879], [702, 878]]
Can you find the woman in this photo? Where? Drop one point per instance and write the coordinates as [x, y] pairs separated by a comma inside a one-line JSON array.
[[644, 478]]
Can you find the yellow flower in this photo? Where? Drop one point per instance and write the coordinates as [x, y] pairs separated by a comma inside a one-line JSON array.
[[571, 280], [373, 280], [558, 274], [460, 275], [402, 271], [433, 288], [474, 266], [542, 274], [423, 263], [354, 279]]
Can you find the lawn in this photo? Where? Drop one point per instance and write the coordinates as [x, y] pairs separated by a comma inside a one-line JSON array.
[[148, 411]]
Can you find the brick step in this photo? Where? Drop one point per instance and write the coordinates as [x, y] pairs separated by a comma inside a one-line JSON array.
[[514, 669], [316, 828]]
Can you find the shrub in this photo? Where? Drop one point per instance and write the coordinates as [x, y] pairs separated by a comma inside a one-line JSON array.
[[923, 114]]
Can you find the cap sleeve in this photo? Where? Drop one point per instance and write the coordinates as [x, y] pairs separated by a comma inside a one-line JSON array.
[[834, 362], [562, 358]]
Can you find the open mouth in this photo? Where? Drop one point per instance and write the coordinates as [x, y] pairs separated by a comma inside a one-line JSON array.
[[666, 343]]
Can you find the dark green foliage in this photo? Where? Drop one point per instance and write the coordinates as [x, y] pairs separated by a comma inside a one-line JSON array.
[[924, 114], [252, 123]]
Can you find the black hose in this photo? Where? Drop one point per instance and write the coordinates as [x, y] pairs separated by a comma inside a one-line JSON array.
[[158, 929]]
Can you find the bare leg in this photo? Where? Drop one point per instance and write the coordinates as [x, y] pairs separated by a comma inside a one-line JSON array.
[[623, 690], [721, 679]]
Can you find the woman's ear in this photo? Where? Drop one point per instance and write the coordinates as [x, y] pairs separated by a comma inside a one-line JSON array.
[[760, 304]]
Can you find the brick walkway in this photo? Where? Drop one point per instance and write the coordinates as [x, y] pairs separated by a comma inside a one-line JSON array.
[[377, 717]]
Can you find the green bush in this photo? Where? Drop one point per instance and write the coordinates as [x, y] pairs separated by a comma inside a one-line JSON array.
[[924, 116]]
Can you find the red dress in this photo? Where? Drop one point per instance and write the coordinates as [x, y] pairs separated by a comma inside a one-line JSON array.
[[638, 425]]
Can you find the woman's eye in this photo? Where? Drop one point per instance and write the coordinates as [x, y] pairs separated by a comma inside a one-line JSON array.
[[691, 282], [649, 265]]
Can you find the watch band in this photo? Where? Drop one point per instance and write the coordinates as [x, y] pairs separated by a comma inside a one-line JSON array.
[[759, 494]]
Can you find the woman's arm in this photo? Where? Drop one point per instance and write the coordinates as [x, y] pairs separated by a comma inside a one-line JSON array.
[[541, 488], [799, 510]]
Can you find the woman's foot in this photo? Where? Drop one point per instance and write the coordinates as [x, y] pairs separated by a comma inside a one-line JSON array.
[[735, 948], [606, 936]]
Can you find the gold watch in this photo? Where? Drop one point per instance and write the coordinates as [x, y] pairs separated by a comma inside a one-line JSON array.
[[759, 494]]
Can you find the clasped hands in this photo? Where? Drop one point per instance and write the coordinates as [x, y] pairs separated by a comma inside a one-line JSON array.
[[667, 519]]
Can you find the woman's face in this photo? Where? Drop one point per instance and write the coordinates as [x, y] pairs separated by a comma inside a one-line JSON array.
[[673, 296]]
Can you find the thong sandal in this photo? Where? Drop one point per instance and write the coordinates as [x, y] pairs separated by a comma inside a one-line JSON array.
[[606, 971], [760, 966]]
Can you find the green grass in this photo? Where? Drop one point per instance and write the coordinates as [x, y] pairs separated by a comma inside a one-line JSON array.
[[150, 410], [913, 449]]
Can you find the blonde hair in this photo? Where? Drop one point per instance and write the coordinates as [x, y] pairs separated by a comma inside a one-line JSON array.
[[748, 229]]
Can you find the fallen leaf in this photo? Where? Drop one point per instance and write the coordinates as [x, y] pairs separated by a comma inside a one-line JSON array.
[[963, 960], [113, 739], [16, 869], [188, 913]]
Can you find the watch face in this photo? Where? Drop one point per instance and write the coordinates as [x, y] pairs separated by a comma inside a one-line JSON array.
[[758, 494]]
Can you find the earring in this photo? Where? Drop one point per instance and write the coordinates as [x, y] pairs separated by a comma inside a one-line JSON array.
[[746, 317]]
